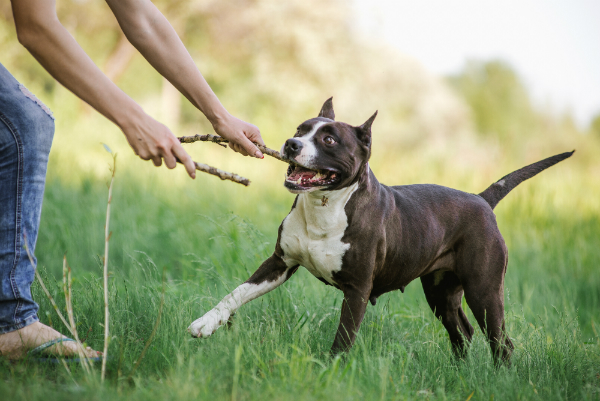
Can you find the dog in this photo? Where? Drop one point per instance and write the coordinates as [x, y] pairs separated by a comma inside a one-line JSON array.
[[366, 238]]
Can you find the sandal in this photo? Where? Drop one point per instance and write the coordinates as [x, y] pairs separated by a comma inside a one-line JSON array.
[[38, 351]]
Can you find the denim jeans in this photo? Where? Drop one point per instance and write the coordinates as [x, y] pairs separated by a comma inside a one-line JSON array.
[[26, 131]]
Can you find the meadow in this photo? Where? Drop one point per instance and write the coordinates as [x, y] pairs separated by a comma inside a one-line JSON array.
[[208, 236], [179, 246]]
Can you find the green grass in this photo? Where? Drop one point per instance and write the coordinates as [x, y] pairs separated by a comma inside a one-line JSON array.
[[278, 345], [209, 236]]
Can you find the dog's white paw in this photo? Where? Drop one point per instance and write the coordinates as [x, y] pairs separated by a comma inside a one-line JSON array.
[[209, 323]]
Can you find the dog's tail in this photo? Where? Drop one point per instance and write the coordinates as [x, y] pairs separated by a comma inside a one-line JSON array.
[[498, 190]]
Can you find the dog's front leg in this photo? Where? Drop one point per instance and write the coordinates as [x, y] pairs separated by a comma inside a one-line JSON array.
[[353, 312], [270, 275]]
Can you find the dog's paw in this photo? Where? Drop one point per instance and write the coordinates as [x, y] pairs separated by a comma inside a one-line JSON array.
[[209, 323]]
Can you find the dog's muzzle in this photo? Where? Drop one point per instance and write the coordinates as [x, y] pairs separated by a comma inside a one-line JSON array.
[[292, 148]]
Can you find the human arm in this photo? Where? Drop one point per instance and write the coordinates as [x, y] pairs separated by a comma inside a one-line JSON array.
[[154, 37], [40, 31]]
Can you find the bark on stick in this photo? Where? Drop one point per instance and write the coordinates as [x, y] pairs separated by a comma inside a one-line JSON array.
[[224, 175], [220, 140]]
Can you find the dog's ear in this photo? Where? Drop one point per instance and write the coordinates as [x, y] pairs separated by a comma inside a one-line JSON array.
[[327, 110], [364, 131]]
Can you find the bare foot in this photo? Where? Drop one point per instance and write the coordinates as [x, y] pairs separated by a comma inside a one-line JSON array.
[[16, 344]]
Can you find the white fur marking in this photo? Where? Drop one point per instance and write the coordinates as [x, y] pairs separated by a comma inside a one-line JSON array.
[[312, 234], [309, 150], [219, 315], [501, 183]]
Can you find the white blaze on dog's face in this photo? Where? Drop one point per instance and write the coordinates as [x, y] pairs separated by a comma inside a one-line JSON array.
[[328, 154], [308, 150]]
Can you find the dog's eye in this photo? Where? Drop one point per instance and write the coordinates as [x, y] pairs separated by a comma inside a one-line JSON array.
[[329, 140]]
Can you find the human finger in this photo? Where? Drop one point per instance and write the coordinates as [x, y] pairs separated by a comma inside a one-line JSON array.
[[249, 147], [237, 148], [253, 133], [169, 158], [185, 159]]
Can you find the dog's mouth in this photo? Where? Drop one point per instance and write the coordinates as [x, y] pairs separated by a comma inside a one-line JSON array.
[[301, 178]]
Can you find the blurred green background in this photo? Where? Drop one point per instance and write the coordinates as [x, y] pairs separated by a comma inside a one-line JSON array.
[[273, 63]]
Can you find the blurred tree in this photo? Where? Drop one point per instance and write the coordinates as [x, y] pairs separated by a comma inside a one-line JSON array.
[[269, 61], [498, 99], [274, 62]]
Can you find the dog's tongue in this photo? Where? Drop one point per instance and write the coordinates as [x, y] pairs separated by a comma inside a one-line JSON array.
[[301, 173]]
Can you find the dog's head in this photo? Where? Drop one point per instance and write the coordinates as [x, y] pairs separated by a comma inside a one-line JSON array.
[[329, 154]]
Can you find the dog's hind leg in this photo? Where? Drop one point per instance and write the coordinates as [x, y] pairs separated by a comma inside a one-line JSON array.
[[480, 268], [444, 292], [270, 275], [488, 309]]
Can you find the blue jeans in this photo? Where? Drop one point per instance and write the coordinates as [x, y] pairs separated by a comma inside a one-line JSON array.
[[26, 131]]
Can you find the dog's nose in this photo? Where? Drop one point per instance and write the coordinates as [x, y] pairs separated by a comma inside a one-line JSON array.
[[292, 147]]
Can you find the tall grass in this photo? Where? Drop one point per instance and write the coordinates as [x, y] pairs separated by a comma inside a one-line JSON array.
[[209, 236], [278, 345]]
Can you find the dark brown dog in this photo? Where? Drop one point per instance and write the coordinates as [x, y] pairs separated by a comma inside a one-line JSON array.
[[367, 239]]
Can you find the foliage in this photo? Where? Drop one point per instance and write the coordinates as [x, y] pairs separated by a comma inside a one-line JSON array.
[[503, 111], [263, 58], [499, 100]]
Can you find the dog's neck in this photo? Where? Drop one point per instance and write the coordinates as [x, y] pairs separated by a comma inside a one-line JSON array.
[[323, 213], [335, 198], [331, 201]]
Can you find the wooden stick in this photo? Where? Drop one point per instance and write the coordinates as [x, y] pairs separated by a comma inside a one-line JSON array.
[[204, 138], [222, 174], [220, 140]]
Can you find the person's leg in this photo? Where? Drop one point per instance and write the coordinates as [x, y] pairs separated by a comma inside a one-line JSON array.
[[26, 131]]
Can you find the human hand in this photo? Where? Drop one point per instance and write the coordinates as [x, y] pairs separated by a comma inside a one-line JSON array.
[[240, 135], [152, 140]]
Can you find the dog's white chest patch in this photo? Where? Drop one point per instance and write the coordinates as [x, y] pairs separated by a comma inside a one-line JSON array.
[[312, 233]]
